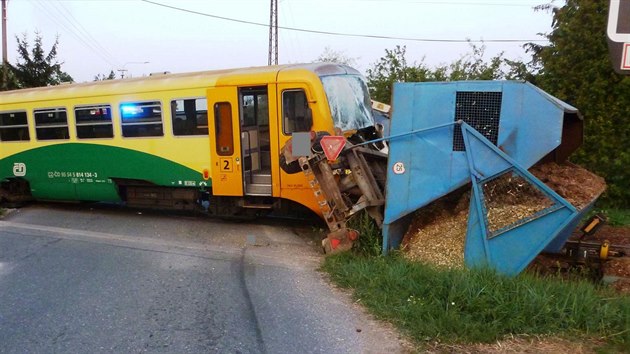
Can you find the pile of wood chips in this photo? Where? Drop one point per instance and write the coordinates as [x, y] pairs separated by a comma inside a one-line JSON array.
[[572, 182], [510, 198], [437, 232]]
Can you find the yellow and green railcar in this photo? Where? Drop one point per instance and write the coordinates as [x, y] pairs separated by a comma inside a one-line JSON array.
[[170, 141]]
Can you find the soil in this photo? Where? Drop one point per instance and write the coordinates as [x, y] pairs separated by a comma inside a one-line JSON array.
[[622, 286], [615, 271], [616, 235], [618, 267], [615, 268], [524, 344]]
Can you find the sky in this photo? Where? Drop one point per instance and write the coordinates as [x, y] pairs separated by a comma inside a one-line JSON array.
[[143, 37]]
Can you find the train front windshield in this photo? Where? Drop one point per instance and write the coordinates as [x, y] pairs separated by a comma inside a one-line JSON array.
[[349, 101]]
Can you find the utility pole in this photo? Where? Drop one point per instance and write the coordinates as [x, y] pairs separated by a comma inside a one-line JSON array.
[[273, 33], [123, 70], [5, 61]]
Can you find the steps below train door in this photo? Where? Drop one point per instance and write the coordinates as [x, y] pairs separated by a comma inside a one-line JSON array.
[[258, 183]]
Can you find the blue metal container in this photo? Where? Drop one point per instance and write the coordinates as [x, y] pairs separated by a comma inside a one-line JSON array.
[[447, 135]]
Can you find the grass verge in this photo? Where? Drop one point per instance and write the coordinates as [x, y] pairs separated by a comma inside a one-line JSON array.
[[470, 306]]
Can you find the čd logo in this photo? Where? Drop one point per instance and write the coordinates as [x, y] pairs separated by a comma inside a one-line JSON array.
[[19, 169]]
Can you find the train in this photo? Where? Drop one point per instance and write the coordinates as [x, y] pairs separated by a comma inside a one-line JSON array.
[[211, 141]]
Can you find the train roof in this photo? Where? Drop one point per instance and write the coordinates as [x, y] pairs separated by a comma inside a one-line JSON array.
[[160, 82]]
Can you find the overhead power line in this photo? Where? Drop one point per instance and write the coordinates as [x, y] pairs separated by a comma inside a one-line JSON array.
[[77, 24], [346, 34], [457, 3], [63, 21]]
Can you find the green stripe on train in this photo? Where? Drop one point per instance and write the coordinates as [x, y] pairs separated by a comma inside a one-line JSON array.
[[76, 171]]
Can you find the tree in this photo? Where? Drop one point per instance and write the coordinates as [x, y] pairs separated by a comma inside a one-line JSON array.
[[333, 56], [35, 68], [11, 81], [393, 67], [102, 77], [576, 68]]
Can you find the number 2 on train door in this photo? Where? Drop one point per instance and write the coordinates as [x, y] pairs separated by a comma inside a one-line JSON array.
[[226, 165]]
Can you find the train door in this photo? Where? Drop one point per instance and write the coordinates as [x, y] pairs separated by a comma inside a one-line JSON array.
[[225, 142], [255, 140]]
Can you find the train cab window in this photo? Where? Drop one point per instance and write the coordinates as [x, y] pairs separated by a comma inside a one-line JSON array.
[[189, 116], [51, 124], [14, 126], [297, 116], [140, 119], [94, 122], [223, 126]]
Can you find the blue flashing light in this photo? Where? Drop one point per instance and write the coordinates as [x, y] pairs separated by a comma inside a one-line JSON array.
[[130, 110]]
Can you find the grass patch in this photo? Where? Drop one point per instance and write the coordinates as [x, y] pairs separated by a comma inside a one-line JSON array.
[[467, 306], [618, 217], [370, 240], [614, 216]]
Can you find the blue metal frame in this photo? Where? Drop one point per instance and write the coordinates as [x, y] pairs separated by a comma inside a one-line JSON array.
[[512, 248]]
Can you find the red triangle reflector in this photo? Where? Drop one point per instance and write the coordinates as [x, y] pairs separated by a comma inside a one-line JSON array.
[[332, 146]]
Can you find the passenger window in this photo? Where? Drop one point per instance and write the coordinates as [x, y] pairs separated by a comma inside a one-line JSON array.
[[139, 119], [296, 113], [14, 126], [223, 126], [51, 124], [189, 116], [94, 122]]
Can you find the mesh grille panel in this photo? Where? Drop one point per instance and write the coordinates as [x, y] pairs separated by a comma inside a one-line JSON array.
[[481, 110], [510, 198]]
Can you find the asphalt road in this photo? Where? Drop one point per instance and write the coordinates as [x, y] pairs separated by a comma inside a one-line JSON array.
[[76, 279]]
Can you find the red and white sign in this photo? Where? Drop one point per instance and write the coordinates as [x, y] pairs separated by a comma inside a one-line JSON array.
[[618, 32], [332, 146], [625, 57], [617, 12]]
